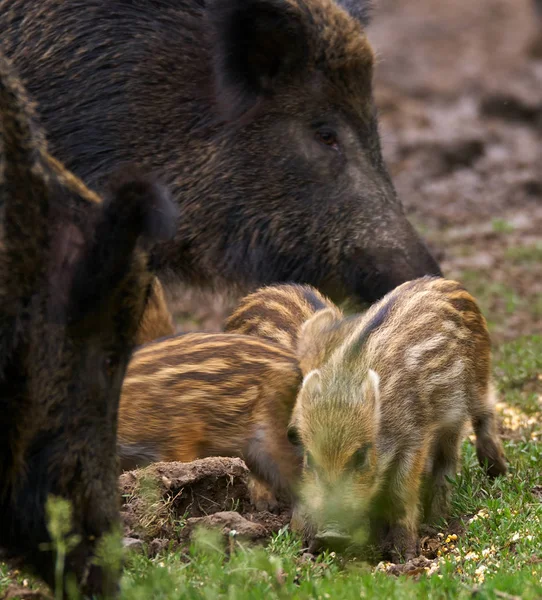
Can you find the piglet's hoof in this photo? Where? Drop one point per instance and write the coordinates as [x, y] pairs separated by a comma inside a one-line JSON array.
[[400, 545]]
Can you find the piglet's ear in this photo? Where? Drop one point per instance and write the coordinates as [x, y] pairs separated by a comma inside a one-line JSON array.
[[312, 384], [371, 392], [256, 45], [319, 323], [138, 212], [318, 338]]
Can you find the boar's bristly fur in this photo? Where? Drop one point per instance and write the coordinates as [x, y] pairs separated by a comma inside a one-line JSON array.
[[382, 419], [74, 282], [202, 394], [258, 113]]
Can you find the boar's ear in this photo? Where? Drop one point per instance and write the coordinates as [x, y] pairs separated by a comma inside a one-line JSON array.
[[312, 383], [68, 242], [257, 43], [137, 213], [318, 337], [359, 9]]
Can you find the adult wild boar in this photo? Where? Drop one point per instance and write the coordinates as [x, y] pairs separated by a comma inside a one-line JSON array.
[[74, 282], [258, 113]]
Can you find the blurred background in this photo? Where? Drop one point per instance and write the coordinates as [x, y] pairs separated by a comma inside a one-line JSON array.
[[459, 89]]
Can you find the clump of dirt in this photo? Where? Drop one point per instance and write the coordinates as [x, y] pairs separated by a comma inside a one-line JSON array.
[[412, 568], [165, 502]]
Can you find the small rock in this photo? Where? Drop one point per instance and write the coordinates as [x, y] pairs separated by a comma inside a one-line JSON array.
[[132, 544], [227, 522], [157, 546]]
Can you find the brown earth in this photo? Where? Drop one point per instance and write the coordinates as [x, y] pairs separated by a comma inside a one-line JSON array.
[[165, 503], [461, 121], [19, 592]]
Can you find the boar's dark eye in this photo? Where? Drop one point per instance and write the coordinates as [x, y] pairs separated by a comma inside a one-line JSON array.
[[293, 436], [110, 364], [327, 137], [360, 457]]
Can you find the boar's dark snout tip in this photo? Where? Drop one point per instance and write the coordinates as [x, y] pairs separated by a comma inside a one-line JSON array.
[[162, 214]]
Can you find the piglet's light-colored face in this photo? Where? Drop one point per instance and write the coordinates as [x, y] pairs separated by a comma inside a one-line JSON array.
[[336, 422]]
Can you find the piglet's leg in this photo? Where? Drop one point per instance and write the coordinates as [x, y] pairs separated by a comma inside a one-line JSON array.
[[437, 488], [489, 448], [401, 541], [261, 496], [274, 462]]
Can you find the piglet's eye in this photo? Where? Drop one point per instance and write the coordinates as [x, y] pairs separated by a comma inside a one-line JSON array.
[[360, 457], [293, 436], [327, 137]]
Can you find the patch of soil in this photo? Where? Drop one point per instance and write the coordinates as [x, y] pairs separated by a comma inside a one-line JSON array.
[[412, 568], [165, 502], [19, 592], [537, 492]]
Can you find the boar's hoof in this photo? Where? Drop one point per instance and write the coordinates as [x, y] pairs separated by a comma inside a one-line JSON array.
[[101, 583]]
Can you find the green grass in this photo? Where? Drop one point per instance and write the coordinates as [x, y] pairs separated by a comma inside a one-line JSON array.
[[491, 294], [498, 555], [525, 254], [502, 226]]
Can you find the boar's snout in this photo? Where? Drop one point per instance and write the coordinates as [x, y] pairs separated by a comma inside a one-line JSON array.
[[376, 272]]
